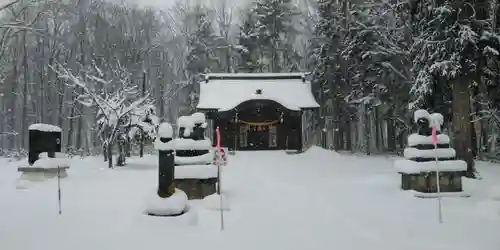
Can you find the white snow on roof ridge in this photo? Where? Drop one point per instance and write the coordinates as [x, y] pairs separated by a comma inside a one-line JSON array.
[[250, 75], [284, 103], [44, 127], [226, 94]]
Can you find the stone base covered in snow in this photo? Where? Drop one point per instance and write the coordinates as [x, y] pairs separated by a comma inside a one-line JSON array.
[[41, 174], [197, 181], [421, 176], [428, 156], [216, 202], [427, 182], [197, 188], [174, 205], [194, 172], [44, 169]]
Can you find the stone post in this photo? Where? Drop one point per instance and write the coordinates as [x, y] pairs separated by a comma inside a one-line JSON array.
[[43, 138], [166, 162]]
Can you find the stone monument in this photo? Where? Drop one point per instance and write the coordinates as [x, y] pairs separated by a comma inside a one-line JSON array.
[[423, 160]]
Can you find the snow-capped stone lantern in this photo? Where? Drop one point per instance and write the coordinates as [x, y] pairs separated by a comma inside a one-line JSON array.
[[43, 138], [45, 158], [423, 160], [192, 128], [193, 158], [168, 201]]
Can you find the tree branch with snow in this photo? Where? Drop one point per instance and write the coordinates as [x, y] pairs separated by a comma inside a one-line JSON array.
[[117, 106]]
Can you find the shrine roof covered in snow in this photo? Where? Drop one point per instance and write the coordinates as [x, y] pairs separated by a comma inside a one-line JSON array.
[[224, 92]]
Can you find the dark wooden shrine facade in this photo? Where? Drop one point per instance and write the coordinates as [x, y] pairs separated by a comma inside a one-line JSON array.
[[258, 125]]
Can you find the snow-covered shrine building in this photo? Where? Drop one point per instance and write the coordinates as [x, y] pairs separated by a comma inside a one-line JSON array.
[[258, 111]]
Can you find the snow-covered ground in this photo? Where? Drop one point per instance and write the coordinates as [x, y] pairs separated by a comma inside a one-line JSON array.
[[313, 201]]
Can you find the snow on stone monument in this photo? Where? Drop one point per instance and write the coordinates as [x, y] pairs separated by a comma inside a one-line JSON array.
[[419, 168], [193, 158], [45, 159], [167, 201]]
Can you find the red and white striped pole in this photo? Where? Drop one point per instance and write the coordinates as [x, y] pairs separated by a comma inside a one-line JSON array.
[[434, 141], [218, 156]]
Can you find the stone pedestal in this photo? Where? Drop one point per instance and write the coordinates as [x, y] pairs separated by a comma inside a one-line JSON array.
[[167, 201], [197, 189], [166, 169], [423, 160], [43, 138], [426, 182], [195, 173]]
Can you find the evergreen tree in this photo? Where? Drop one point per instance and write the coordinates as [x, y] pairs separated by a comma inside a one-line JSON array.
[[201, 56], [276, 34], [248, 48], [328, 42], [451, 44], [330, 78], [373, 48]]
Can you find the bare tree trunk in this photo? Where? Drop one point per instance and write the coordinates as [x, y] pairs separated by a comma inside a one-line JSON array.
[[461, 123], [83, 37], [367, 130], [41, 74], [110, 155], [60, 101], [105, 151], [13, 99], [348, 127], [69, 142], [128, 147], [120, 162], [24, 111], [377, 129], [391, 135], [141, 146]]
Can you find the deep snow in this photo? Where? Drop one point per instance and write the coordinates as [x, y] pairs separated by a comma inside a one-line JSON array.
[[316, 201]]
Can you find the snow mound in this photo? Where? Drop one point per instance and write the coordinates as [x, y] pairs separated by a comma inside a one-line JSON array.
[[201, 159], [165, 130], [495, 192], [412, 167], [189, 122], [416, 139], [421, 113], [56, 154], [190, 144], [436, 120], [195, 172], [184, 144], [198, 118], [44, 127], [317, 151], [173, 205], [440, 152], [164, 146], [146, 162], [213, 202], [23, 184], [51, 163], [462, 194]]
